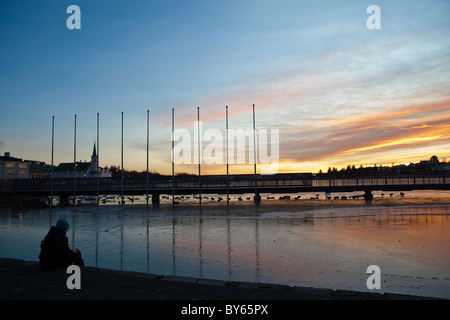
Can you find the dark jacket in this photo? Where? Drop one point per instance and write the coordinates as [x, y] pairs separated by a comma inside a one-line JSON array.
[[55, 251]]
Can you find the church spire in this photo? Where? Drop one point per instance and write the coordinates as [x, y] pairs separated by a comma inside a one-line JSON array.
[[94, 152]]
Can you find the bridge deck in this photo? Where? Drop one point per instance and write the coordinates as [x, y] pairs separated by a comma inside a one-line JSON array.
[[235, 184]]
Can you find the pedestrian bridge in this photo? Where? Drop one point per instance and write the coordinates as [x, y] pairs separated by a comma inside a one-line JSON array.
[[157, 185]]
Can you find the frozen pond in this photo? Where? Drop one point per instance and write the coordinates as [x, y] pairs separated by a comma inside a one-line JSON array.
[[269, 243]]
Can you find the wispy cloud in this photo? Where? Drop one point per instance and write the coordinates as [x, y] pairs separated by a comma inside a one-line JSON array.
[[343, 106], [352, 138]]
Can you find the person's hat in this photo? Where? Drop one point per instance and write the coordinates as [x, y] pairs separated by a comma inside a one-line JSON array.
[[62, 224]]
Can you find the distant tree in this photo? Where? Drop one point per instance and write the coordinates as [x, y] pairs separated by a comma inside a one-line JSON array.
[[115, 171]]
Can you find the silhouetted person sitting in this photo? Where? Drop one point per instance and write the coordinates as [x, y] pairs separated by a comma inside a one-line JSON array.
[[55, 251]]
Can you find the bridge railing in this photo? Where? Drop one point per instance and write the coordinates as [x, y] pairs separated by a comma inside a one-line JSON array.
[[382, 181], [221, 182]]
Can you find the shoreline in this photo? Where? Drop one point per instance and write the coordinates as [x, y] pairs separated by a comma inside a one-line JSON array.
[[298, 205], [308, 204], [24, 280]]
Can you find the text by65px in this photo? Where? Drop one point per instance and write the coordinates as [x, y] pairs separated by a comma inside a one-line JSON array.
[[244, 309]]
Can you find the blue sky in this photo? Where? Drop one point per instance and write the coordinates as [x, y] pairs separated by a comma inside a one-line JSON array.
[[339, 92]]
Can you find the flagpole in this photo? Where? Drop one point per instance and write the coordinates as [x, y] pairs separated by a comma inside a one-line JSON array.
[[254, 152], [98, 159], [173, 168], [53, 143], [121, 164], [228, 178], [75, 162], [147, 150], [199, 161]]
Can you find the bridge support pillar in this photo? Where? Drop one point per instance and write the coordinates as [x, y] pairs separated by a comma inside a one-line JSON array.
[[368, 194], [155, 198], [64, 200]]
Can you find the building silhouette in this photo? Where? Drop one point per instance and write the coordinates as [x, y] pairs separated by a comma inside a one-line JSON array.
[[13, 168], [82, 170]]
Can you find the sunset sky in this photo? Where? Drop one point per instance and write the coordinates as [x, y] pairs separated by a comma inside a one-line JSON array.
[[338, 92]]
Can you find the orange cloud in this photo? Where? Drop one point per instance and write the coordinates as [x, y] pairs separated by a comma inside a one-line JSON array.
[[362, 136]]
